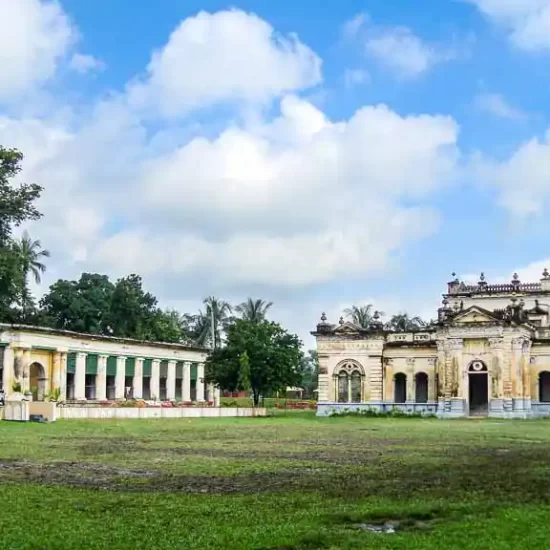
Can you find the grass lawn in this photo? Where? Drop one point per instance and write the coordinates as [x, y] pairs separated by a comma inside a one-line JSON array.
[[286, 482]]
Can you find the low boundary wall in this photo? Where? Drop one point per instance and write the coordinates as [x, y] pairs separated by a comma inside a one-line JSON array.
[[97, 413]]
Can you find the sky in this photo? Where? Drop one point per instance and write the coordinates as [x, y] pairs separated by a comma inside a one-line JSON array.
[[316, 155]]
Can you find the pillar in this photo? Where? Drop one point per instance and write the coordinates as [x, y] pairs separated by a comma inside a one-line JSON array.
[[432, 379], [171, 381], [101, 378], [155, 379], [80, 377], [323, 381], [200, 382], [120, 378], [63, 382], [372, 382], [186, 382], [410, 380], [8, 378], [388, 379], [56, 371], [26, 370], [217, 396], [517, 375], [138, 378]]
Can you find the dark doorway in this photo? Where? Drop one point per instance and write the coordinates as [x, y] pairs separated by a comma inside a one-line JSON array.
[[400, 388], [544, 387], [479, 393], [421, 387]]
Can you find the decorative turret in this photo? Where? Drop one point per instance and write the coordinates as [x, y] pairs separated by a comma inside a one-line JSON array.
[[545, 281], [323, 326], [482, 282], [515, 280], [376, 324], [453, 284]]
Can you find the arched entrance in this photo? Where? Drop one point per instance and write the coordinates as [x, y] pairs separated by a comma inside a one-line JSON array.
[[37, 381], [400, 388], [478, 388]]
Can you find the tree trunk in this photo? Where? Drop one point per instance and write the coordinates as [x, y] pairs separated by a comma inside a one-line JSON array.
[[255, 397]]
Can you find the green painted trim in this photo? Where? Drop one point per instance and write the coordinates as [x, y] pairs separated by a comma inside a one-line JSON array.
[[130, 366], [91, 363], [111, 366], [194, 371], [179, 370], [71, 362], [163, 371], [147, 367]]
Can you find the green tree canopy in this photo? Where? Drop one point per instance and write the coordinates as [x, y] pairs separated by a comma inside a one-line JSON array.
[[274, 358], [403, 323], [253, 310]]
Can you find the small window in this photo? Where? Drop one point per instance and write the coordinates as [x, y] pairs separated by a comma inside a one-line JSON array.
[[111, 389], [421, 387], [70, 385], [146, 387], [343, 395], [90, 387], [162, 389]]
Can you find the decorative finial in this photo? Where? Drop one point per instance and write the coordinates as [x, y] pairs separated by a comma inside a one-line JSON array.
[[376, 315], [482, 277], [341, 321], [546, 274], [515, 279], [324, 317]]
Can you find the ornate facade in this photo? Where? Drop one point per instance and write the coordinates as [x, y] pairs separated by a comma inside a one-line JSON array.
[[488, 353]]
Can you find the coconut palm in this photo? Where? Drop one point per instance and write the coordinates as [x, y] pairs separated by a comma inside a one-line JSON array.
[[360, 315], [215, 320], [30, 253], [403, 323], [253, 310]]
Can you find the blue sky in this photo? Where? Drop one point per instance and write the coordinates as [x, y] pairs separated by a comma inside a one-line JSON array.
[[316, 155]]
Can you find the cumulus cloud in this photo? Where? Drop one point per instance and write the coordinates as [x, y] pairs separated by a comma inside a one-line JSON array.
[[225, 56], [527, 21], [496, 105], [355, 77], [35, 35], [82, 63]]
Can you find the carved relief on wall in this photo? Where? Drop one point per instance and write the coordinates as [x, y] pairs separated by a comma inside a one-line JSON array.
[[496, 375], [18, 367], [454, 377]]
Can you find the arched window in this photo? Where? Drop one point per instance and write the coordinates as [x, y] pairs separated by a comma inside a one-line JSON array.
[[544, 387], [421, 387], [400, 388], [348, 381], [343, 388]]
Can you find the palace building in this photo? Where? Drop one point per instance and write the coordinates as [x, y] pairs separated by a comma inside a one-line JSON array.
[[89, 368], [488, 353]]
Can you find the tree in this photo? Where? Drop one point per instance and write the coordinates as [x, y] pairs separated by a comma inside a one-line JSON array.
[[215, 320], [253, 310], [82, 306], [167, 326], [16, 203], [273, 354], [16, 207], [30, 254], [309, 372], [360, 315], [243, 382], [132, 310], [403, 323]]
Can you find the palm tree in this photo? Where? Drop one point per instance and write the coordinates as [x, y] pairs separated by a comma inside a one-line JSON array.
[[403, 323], [214, 320], [360, 315], [30, 254], [253, 310]]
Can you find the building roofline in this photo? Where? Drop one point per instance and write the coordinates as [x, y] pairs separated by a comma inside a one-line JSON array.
[[99, 337]]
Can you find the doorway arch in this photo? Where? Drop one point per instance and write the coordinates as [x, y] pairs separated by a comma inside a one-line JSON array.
[[478, 383], [400, 388], [37, 381]]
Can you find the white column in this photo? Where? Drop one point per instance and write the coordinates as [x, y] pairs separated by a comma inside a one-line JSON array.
[[101, 378], [80, 376], [26, 370], [186, 382], [63, 383], [200, 382], [120, 377], [217, 396], [171, 381], [138, 378], [8, 378], [155, 379]]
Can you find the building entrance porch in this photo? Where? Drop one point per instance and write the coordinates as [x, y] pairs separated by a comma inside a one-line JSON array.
[[478, 383]]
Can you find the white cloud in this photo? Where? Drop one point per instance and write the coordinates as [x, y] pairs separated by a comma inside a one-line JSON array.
[[404, 52], [34, 36], [527, 21], [225, 56], [83, 64], [497, 106], [353, 27], [523, 180], [355, 77]]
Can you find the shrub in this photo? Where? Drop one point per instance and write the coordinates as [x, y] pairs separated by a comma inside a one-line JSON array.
[[375, 413]]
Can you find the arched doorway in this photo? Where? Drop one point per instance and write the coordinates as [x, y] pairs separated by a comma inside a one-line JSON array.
[[421, 387], [544, 387], [478, 388], [37, 381], [400, 388]]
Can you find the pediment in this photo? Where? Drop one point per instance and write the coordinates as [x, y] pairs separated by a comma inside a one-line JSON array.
[[474, 315], [347, 328]]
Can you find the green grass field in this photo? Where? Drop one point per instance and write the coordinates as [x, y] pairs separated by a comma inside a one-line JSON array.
[[286, 482]]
